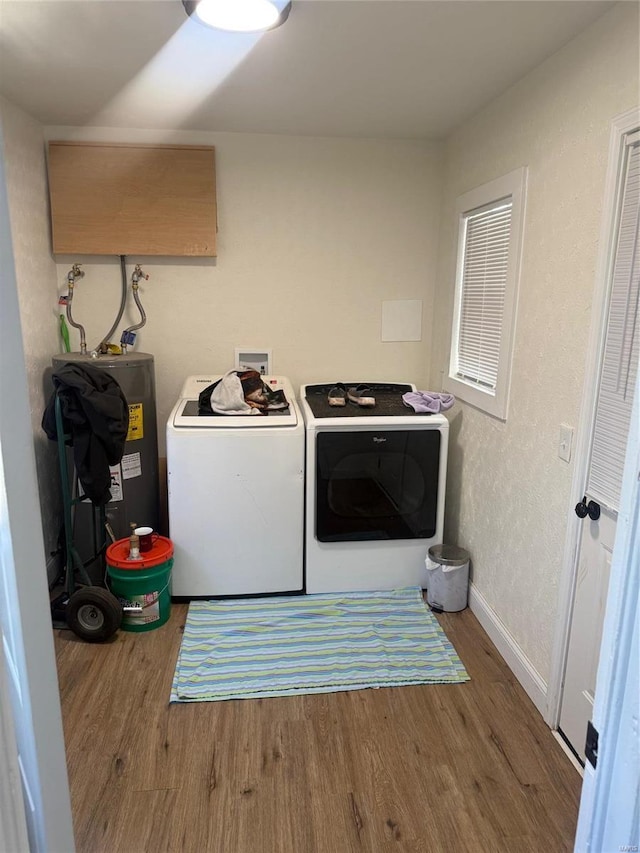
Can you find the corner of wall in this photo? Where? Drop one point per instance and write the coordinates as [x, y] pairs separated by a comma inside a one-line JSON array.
[[36, 281]]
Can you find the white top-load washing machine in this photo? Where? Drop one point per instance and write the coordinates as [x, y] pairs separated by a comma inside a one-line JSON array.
[[375, 489], [236, 497]]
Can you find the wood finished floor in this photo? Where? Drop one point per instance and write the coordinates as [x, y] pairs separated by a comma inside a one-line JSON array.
[[463, 767]]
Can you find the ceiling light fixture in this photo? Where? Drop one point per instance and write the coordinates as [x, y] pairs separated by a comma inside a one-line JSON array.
[[239, 16]]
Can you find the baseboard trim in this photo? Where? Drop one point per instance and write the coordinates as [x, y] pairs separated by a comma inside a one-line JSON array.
[[574, 761], [530, 679]]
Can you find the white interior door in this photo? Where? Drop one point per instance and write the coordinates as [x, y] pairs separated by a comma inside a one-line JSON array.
[[609, 434], [592, 584]]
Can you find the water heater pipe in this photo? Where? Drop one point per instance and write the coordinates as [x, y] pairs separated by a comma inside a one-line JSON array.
[[74, 273], [102, 346], [135, 278]]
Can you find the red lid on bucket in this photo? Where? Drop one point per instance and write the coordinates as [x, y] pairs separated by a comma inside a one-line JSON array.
[[118, 554]]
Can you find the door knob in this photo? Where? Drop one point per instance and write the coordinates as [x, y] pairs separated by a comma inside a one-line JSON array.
[[591, 509], [581, 508], [594, 510]]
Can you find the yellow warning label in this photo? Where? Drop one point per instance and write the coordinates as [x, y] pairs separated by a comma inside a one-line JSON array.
[[136, 422]]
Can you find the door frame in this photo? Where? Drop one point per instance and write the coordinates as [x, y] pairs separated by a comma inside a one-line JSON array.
[[13, 821], [606, 816], [620, 125], [32, 700]]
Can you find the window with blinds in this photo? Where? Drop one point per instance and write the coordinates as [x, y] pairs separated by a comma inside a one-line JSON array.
[[490, 227], [483, 286], [622, 344]]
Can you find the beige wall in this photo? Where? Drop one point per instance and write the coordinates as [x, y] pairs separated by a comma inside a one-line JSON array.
[[313, 235], [508, 492], [37, 293]]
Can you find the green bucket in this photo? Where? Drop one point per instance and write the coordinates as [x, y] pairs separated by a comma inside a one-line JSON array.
[[143, 584]]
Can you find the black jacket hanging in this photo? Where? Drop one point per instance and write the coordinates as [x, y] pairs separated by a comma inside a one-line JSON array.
[[96, 414]]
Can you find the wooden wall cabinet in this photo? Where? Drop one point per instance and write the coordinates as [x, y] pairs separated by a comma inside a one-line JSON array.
[[121, 199]]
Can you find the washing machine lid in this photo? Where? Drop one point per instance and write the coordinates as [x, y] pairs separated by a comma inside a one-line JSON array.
[[186, 412]]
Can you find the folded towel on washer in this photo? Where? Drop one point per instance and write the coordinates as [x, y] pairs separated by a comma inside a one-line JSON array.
[[225, 397], [431, 402]]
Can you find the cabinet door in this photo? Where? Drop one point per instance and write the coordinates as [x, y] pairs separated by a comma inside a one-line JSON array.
[[132, 199]]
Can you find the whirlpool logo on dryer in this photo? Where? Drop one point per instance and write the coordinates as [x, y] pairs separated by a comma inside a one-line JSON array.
[[377, 439]]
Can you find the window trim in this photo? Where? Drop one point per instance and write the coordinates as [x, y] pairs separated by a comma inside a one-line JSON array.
[[514, 186]]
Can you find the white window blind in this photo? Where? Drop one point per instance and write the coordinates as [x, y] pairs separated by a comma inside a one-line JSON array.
[[622, 344], [487, 233], [490, 221]]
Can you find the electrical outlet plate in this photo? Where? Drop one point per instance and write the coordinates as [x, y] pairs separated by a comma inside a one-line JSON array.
[[253, 358]]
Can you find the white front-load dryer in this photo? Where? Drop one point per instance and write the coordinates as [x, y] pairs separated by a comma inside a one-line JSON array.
[[375, 489], [236, 497]]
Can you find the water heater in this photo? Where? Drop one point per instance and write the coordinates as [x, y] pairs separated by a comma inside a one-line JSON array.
[[134, 481]]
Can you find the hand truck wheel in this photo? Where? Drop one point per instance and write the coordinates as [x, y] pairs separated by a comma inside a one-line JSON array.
[[94, 614]]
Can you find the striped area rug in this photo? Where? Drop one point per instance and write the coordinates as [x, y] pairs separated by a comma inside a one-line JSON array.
[[251, 648]]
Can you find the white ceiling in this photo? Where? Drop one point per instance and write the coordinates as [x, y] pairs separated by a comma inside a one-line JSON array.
[[375, 68]]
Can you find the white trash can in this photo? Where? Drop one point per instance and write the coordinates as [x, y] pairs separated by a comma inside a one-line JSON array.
[[447, 578]]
